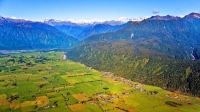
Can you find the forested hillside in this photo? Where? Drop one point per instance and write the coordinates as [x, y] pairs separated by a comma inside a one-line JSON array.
[[161, 51], [180, 75]]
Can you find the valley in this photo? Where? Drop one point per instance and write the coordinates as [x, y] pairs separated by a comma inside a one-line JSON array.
[[43, 81]]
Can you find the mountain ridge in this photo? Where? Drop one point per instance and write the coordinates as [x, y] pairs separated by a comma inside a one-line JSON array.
[[169, 32], [23, 34]]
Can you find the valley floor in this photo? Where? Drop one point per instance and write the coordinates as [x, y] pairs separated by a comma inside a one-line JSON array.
[[42, 81]]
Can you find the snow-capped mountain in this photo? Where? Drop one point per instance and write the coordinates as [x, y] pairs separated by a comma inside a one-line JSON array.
[[193, 15], [82, 30]]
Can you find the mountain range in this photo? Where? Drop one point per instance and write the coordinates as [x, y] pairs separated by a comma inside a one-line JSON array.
[[167, 36], [160, 36], [23, 34], [84, 30], [168, 26]]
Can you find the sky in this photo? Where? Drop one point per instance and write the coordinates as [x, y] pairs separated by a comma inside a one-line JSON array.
[[77, 10]]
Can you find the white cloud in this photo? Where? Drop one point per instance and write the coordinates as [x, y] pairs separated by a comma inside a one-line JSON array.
[[181, 16], [155, 11], [13, 17]]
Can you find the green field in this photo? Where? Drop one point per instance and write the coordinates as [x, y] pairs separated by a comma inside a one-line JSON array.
[[42, 81]]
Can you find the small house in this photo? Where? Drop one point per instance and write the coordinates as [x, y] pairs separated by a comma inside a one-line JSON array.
[[64, 57]]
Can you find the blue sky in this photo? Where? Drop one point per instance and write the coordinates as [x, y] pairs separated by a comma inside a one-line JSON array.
[[39, 10]]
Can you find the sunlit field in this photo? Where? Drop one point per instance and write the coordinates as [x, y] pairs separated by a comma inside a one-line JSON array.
[[43, 81]]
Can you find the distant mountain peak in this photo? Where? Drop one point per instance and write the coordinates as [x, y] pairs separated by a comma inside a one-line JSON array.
[[167, 17], [49, 20], [54, 22], [114, 22], [2, 18], [193, 15], [125, 19]]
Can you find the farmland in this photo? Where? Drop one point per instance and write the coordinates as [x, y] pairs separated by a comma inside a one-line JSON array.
[[42, 81]]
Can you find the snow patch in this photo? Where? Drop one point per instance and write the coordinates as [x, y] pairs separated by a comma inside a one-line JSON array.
[[132, 34], [193, 58]]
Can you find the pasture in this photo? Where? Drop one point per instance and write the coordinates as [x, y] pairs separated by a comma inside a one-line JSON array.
[[42, 81]]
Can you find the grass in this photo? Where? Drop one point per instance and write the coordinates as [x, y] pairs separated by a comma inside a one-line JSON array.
[[51, 84], [2, 96]]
